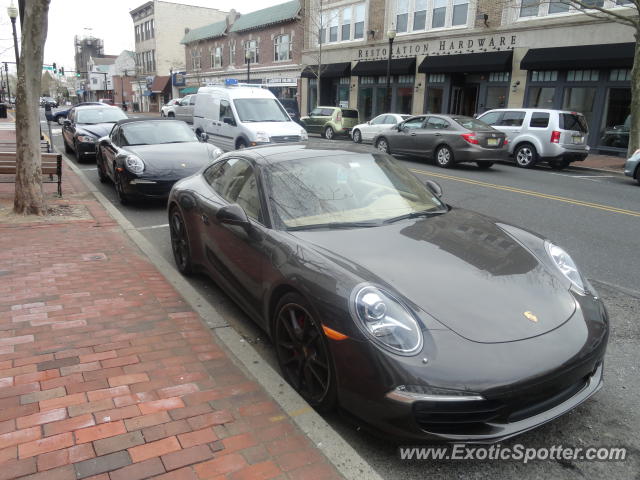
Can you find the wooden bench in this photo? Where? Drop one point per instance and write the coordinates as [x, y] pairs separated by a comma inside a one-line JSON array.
[[10, 146], [51, 165]]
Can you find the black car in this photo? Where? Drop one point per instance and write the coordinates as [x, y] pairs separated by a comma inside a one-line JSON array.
[[427, 321], [85, 125], [144, 158], [61, 115]]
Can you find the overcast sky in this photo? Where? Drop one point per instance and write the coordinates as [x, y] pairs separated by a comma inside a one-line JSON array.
[[106, 19]]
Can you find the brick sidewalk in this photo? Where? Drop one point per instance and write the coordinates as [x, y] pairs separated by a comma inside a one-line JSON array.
[[106, 373]]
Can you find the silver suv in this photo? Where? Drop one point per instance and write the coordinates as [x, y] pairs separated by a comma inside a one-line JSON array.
[[555, 136]]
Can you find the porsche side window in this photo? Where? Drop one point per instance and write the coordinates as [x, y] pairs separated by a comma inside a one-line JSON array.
[[249, 198]]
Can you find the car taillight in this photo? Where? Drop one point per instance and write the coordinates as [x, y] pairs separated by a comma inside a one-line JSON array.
[[506, 141], [339, 117], [471, 138], [555, 136]]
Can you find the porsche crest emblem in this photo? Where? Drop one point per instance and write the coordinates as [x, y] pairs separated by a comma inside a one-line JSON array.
[[530, 316]]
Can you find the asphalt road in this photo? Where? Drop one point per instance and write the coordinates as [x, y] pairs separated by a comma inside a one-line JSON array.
[[595, 216]]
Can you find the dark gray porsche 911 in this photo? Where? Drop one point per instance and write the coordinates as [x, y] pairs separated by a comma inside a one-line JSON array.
[[426, 321], [144, 158]]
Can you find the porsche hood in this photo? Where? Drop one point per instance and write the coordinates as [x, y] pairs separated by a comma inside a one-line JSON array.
[[460, 268], [174, 159]]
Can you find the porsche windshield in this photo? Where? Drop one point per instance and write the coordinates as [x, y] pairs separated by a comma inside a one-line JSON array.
[[99, 115], [346, 189], [157, 132]]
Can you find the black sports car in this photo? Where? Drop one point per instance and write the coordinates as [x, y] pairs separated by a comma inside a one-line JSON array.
[[144, 158], [427, 321], [85, 125]]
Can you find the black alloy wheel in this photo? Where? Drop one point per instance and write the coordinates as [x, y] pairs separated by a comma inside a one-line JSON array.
[[444, 157], [180, 242], [102, 175], [357, 136], [122, 196], [484, 165], [303, 353]]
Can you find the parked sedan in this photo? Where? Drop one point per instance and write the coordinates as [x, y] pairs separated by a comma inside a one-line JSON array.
[[355, 269], [61, 115], [144, 158], [632, 166], [168, 109], [85, 125], [366, 132], [447, 139]]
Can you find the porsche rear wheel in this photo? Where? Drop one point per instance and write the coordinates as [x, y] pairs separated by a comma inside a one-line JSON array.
[[180, 242], [303, 352]]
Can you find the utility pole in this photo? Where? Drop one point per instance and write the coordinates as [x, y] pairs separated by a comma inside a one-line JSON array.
[[6, 71]]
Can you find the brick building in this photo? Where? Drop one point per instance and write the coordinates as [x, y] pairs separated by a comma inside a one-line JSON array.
[[468, 56], [158, 27], [263, 47]]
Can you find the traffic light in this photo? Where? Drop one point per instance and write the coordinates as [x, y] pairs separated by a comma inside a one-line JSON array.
[[55, 69], [62, 71], [77, 74]]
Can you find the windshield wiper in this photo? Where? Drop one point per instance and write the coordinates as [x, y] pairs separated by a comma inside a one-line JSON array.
[[421, 213], [334, 225]]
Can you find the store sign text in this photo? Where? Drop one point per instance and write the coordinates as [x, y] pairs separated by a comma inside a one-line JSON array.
[[439, 46]]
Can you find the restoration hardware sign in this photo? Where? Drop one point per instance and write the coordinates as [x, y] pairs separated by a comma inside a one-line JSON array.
[[433, 47]]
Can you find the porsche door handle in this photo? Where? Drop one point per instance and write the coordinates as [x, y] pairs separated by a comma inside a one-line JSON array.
[[205, 219]]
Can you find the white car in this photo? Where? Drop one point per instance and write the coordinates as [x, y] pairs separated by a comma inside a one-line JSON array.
[[169, 108], [366, 132]]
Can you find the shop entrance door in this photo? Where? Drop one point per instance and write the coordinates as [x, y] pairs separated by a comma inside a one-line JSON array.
[[464, 100]]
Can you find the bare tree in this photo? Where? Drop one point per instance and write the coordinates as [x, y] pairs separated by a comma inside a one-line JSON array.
[[629, 17], [315, 30], [29, 197]]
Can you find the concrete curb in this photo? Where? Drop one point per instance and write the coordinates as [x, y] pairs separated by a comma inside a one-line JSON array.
[[341, 454]]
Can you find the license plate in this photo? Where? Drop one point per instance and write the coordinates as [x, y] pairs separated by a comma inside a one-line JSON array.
[[492, 142], [577, 139]]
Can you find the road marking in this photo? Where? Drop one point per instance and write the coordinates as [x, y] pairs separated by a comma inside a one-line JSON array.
[[151, 227], [557, 198]]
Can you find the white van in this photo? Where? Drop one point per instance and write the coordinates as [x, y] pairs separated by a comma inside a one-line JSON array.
[[235, 116]]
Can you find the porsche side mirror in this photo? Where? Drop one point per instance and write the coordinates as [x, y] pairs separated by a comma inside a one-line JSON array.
[[233, 215], [434, 187]]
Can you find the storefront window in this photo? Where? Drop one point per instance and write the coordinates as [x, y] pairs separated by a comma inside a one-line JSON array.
[[434, 99], [365, 102], [496, 97], [616, 119], [404, 100], [541, 97], [313, 94], [579, 99]]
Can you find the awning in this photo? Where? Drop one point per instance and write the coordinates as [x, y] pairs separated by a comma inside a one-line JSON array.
[[160, 83], [467, 63], [188, 90], [399, 66], [330, 70], [612, 55]]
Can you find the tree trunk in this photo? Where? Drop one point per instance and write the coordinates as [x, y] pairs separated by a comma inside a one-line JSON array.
[[319, 73], [634, 132], [29, 197]]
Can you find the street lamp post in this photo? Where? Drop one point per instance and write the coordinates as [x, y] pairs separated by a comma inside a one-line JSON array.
[[391, 34], [247, 56], [13, 14], [6, 71]]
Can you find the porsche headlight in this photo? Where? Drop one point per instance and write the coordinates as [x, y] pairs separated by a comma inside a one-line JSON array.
[[134, 164], [566, 265], [262, 137], [386, 320], [304, 136]]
